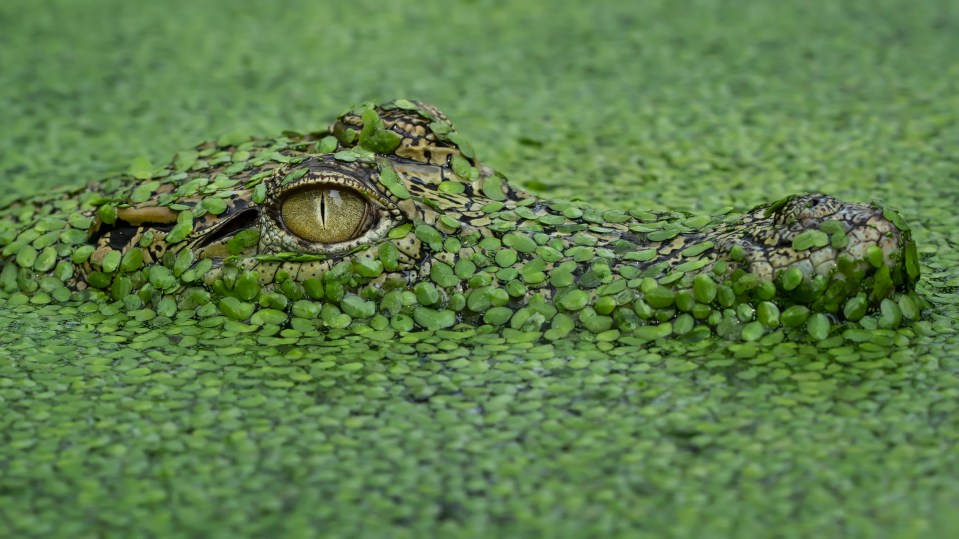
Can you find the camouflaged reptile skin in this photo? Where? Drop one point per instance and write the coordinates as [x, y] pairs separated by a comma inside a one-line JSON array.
[[424, 235]]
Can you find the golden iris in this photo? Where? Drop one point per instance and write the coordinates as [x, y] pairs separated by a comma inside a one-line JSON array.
[[325, 215]]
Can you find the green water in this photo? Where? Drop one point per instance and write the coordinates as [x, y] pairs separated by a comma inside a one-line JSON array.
[[120, 426]]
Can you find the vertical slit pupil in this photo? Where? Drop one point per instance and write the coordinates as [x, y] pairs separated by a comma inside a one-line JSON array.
[[323, 209]]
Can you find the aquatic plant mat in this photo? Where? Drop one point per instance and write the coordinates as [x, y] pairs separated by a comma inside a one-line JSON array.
[[147, 423]]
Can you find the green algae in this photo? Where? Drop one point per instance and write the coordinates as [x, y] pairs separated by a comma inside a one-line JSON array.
[[153, 421]]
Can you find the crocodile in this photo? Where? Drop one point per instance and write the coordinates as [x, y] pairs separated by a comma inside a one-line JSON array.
[[387, 218]]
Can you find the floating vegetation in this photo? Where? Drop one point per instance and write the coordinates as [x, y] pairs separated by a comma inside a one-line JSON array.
[[188, 393]]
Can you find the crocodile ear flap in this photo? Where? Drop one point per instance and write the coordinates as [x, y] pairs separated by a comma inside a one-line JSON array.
[[128, 220], [160, 215], [128, 226]]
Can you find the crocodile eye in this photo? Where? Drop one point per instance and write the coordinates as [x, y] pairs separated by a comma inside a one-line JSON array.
[[325, 214]]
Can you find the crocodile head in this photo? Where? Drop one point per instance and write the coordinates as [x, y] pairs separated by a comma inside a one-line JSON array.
[[387, 213]]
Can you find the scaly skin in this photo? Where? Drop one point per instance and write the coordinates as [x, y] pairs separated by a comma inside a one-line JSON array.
[[436, 238]]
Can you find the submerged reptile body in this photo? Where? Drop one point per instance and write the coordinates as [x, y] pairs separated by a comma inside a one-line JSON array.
[[387, 218]]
